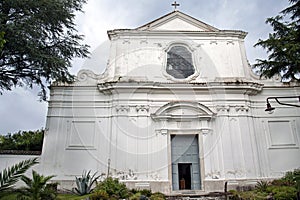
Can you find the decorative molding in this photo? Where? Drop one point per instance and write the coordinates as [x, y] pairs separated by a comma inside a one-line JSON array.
[[201, 111], [142, 108], [126, 41], [241, 108], [85, 74], [190, 47], [122, 108], [230, 42], [130, 175], [205, 131], [227, 108], [222, 108], [158, 44], [144, 41]]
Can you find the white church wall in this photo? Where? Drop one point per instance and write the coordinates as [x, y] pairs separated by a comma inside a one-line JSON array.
[[145, 59], [121, 122]]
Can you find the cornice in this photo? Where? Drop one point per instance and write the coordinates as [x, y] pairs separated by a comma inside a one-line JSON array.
[[250, 88], [114, 34]]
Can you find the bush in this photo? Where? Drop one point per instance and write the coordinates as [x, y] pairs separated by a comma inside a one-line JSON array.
[[157, 196], [280, 189], [99, 195], [135, 196], [113, 188], [23, 140], [282, 192], [146, 192]]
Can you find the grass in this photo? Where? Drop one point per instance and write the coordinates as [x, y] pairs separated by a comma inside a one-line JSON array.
[[59, 197], [9, 197], [71, 197]]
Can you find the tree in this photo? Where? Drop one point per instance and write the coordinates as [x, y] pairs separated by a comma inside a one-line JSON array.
[[36, 188], [11, 175], [40, 41], [2, 41], [23, 140], [283, 45]]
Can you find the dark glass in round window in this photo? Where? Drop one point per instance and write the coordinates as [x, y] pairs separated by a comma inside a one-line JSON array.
[[179, 62]]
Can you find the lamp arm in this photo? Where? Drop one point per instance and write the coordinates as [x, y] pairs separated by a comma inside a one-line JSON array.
[[286, 104]]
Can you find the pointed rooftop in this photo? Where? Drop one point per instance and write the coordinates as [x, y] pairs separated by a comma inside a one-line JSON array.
[[177, 21]]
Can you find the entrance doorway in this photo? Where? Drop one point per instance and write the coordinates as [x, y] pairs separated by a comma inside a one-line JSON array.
[[184, 174], [185, 162]]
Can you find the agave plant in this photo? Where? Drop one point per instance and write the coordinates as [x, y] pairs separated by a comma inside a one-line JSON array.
[[11, 175], [262, 185], [85, 182], [36, 188]]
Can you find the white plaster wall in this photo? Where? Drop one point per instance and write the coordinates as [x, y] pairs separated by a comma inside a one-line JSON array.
[[88, 130], [145, 58]]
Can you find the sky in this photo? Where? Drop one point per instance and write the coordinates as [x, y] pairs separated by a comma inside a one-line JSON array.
[[20, 109]]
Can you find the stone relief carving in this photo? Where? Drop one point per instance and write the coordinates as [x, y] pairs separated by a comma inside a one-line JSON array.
[[236, 108], [121, 175], [142, 108], [230, 42], [222, 108], [155, 176], [84, 75], [241, 108], [122, 108]]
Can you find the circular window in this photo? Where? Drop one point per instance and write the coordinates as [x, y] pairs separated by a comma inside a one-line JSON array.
[[180, 62]]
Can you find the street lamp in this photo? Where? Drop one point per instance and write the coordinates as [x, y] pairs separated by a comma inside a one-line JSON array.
[[270, 108]]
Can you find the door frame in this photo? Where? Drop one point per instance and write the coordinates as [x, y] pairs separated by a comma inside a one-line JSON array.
[[201, 158]]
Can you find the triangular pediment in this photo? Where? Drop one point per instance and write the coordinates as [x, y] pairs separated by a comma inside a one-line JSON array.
[[177, 21]]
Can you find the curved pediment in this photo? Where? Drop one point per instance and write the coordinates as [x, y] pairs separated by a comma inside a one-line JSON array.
[[183, 110]]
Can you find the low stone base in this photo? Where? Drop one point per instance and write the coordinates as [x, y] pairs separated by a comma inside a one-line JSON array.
[[219, 185], [154, 186]]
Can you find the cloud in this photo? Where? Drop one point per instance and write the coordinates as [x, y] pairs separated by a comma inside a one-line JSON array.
[[21, 110]]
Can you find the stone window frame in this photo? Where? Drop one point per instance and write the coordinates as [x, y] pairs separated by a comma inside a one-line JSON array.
[[192, 50]]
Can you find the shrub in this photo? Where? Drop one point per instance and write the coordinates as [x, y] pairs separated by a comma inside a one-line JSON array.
[[146, 192], [282, 192], [113, 188], [23, 140], [136, 196], [157, 196], [99, 195]]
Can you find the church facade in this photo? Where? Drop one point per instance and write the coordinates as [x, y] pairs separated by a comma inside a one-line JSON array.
[[178, 109]]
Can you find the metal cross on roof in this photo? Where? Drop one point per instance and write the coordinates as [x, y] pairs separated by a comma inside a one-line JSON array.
[[175, 4]]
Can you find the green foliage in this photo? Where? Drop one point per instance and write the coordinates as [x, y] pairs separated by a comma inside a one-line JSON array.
[[9, 176], [113, 188], [284, 188], [99, 195], [283, 45], [282, 192], [41, 40], [85, 182], [71, 197], [157, 196], [262, 186], [36, 188], [23, 140], [146, 192], [2, 40]]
